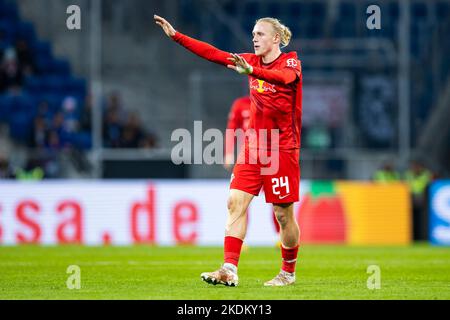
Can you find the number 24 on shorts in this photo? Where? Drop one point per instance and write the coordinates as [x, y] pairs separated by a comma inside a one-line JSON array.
[[280, 183]]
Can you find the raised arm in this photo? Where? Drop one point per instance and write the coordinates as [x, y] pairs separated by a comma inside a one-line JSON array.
[[282, 76], [231, 60], [200, 48]]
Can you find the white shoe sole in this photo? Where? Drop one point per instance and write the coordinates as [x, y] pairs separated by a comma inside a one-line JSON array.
[[278, 285], [214, 281]]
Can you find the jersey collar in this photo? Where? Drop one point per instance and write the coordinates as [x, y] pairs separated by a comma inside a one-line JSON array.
[[268, 64]]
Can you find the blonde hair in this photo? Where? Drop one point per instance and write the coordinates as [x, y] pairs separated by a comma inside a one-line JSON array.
[[284, 32]]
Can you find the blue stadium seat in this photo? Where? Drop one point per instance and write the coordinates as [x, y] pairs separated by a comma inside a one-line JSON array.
[[54, 101], [251, 13], [419, 10], [53, 83], [415, 46], [443, 10], [60, 67], [222, 37], [274, 10], [3, 45], [42, 48], [9, 11], [344, 29], [295, 10], [77, 86], [317, 10], [445, 63], [230, 8], [294, 18], [8, 31], [43, 64], [5, 107], [82, 140], [20, 126], [347, 11], [25, 31], [314, 28], [393, 10], [295, 27], [188, 10], [33, 84], [22, 103]]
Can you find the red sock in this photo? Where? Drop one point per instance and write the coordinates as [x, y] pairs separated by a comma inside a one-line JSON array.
[[232, 250], [289, 258]]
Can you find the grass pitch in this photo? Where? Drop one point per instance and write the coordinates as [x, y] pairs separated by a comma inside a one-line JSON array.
[[143, 272]]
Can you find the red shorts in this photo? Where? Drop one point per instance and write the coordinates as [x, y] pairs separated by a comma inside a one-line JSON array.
[[281, 183]]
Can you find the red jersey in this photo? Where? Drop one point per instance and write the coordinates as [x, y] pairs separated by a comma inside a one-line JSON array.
[[275, 90], [238, 118]]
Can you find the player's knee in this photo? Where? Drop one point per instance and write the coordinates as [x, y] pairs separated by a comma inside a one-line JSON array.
[[284, 215], [234, 205], [281, 218], [230, 203]]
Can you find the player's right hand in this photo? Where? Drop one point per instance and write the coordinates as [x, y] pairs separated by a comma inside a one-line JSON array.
[[241, 66], [166, 26]]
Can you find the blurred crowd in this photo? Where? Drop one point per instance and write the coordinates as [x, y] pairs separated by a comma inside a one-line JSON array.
[[121, 129], [50, 138], [47, 111], [417, 176], [51, 130]]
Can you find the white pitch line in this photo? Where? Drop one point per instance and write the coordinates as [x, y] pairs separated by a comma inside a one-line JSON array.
[[111, 263]]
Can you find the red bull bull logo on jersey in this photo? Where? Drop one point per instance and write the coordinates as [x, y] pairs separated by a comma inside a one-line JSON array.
[[262, 86]]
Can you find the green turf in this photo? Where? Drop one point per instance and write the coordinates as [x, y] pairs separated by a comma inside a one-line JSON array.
[[142, 272]]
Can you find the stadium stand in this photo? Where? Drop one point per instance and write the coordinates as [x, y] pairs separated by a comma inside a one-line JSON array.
[[43, 104], [32, 76]]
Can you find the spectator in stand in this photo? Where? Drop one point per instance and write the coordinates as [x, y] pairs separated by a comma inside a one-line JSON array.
[[150, 141], [11, 76], [52, 167], [114, 103], [5, 169], [132, 133], [386, 174], [33, 171], [40, 133], [25, 57], [41, 125], [112, 129], [43, 111], [56, 131], [54, 141], [86, 116], [117, 132], [3, 42], [418, 178], [112, 124], [69, 108]]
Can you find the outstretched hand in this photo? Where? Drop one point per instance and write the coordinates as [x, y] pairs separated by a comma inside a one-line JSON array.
[[240, 64], [166, 26]]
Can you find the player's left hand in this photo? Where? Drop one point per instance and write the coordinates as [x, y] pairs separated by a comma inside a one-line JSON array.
[[240, 64], [165, 25]]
